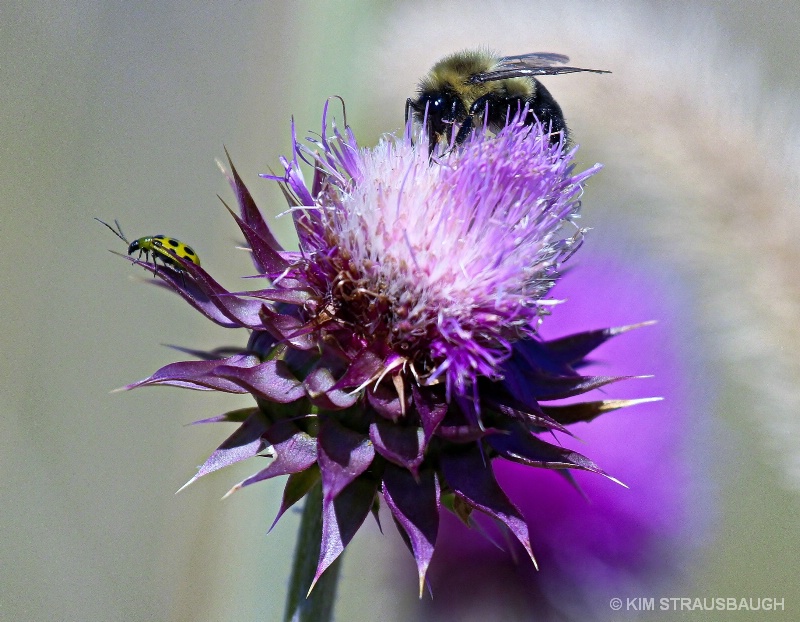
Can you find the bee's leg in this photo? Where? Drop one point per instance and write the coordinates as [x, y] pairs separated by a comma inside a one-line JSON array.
[[480, 109], [433, 138], [464, 130]]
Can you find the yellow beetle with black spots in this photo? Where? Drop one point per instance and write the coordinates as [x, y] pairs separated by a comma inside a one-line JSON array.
[[161, 247]]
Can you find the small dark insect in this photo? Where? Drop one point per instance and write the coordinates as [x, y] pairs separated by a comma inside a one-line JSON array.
[[472, 87], [160, 246]]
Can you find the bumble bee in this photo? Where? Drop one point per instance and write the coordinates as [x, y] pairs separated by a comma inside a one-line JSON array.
[[160, 246], [467, 88]]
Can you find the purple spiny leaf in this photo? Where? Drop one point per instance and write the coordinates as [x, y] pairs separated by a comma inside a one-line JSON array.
[[544, 388], [208, 355], [365, 366], [297, 485], [210, 295], [319, 385], [385, 401], [586, 411], [432, 409], [249, 210], [298, 296], [233, 416], [519, 445], [533, 356], [533, 416], [272, 380], [573, 348], [287, 327], [473, 481], [341, 518], [190, 291], [415, 507], [403, 446], [198, 375], [295, 451], [343, 455], [244, 443], [266, 258]]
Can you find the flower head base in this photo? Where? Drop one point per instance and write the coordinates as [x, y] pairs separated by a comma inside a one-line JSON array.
[[395, 354]]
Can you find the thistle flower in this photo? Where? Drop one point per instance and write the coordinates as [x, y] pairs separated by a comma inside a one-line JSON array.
[[395, 355]]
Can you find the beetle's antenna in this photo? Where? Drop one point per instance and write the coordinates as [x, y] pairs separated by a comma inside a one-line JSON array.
[[117, 232]]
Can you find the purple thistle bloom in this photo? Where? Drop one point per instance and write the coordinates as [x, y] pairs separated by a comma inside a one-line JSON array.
[[396, 354]]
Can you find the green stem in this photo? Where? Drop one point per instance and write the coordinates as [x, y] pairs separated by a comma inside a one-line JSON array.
[[318, 607]]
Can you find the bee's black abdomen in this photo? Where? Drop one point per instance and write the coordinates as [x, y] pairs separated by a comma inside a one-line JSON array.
[[547, 110]]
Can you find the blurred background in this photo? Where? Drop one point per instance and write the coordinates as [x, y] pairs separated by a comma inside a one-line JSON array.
[[118, 110]]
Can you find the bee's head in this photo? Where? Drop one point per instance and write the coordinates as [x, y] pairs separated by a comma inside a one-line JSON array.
[[438, 110]]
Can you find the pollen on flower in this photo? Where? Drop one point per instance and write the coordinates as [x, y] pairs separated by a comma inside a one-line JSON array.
[[395, 355]]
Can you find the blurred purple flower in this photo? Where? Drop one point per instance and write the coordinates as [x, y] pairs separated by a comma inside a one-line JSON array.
[[608, 543], [397, 353]]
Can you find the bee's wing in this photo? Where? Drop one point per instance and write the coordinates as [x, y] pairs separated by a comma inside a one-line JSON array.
[[524, 65], [543, 59]]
